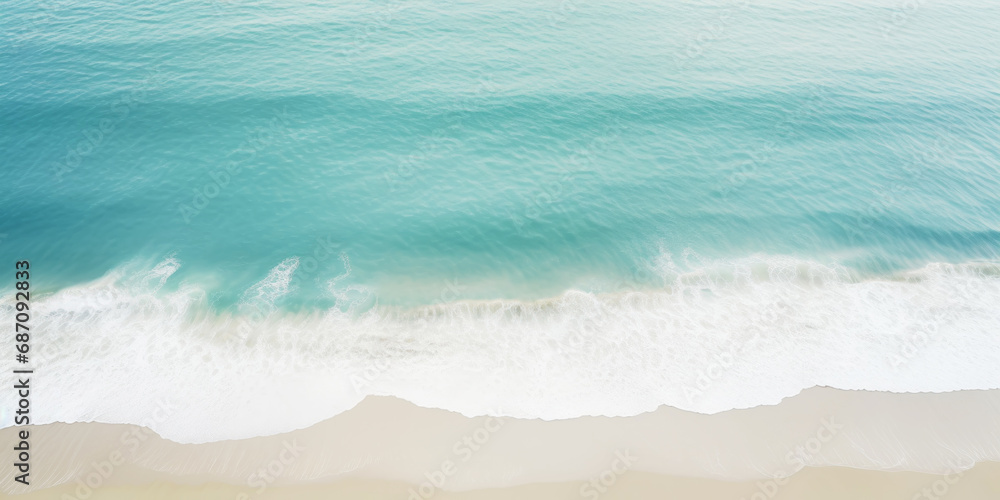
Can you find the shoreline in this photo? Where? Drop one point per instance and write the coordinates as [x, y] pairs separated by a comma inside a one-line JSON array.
[[706, 350], [389, 439]]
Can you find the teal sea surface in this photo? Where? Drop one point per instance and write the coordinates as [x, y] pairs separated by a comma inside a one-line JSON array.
[[517, 147]]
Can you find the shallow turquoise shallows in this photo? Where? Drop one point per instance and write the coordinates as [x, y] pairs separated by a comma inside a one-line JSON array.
[[437, 150]]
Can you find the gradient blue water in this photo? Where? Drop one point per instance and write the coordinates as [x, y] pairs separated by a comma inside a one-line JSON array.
[[518, 148]]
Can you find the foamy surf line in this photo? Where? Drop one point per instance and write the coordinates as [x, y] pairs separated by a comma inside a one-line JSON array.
[[913, 440], [735, 334]]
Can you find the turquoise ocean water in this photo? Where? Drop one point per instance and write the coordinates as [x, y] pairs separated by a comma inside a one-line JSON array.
[[389, 155]]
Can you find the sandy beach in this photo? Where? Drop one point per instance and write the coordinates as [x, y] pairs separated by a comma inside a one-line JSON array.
[[823, 444]]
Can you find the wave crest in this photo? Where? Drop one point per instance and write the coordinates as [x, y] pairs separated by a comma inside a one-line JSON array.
[[728, 335]]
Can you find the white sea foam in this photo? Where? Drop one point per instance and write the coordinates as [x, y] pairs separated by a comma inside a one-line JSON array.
[[267, 291], [728, 335]]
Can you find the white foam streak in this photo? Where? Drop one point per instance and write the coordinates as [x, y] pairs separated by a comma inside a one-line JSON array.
[[726, 335], [265, 293]]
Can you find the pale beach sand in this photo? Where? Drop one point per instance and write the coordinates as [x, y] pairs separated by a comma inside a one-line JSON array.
[[980, 483], [833, 444]]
